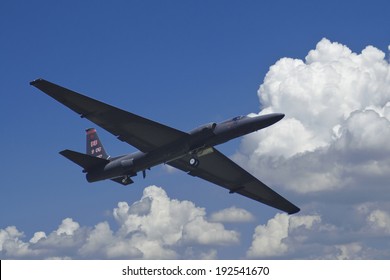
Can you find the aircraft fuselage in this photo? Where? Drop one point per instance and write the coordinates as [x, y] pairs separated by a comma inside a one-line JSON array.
[[196, 143]]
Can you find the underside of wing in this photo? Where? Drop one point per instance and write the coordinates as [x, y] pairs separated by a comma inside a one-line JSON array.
[[220, 170], [137, 131]]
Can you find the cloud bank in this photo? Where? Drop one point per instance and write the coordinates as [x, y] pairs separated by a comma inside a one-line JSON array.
[[154, 227], [331, 152]]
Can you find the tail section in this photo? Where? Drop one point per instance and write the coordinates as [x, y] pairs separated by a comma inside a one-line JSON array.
[[96, 162], [94, 145], [86, 161]]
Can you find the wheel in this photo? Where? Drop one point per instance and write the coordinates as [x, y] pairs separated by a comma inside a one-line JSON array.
[[194, 162], [125, 180]]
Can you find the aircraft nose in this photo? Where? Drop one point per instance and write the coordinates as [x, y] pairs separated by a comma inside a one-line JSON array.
[[278, 116], [263, 121]]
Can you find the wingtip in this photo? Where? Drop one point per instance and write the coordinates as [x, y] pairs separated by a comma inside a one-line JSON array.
[[63, 152], [280, 116], [36, 81], [294, 211]]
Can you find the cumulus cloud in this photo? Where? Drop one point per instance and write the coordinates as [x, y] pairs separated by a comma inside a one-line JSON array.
[[320, 93], [337, 122], [232, 215], [267, 239], [309, 237], [154, 227], [270, 240], [331, 153], [67, 227], [10, 241], [379, 220], [38, 236], [203, 232]]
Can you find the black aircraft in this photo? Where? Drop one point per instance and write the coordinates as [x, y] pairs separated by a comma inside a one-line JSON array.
[[191, 152]]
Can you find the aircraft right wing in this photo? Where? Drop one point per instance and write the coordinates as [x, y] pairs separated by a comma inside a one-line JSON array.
[[144, 134], [219, 169]]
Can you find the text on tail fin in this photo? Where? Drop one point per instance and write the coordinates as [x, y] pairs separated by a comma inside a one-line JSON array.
[[94, 145]]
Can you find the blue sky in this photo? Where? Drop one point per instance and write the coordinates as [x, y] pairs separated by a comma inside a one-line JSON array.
[[185, 63]]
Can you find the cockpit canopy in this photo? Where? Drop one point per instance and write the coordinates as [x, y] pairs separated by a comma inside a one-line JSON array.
[[238, 118], [235, 119]]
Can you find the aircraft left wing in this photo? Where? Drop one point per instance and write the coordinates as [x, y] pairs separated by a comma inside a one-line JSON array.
[[144, 134], [219, 169]]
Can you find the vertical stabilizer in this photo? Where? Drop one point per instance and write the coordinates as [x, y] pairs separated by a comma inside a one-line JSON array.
[[94, 145]]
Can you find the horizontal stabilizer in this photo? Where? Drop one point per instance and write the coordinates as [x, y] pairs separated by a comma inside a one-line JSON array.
[[86, 161]]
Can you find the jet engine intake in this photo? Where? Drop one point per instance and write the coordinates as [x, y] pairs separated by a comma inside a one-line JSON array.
[[204, 129]]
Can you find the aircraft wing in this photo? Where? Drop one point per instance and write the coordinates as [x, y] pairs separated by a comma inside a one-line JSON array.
[[144, 134], [218, 169]]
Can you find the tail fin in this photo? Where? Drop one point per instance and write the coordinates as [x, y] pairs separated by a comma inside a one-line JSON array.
[[94, 145]]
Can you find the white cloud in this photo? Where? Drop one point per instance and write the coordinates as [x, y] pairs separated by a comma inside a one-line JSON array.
[[331, 154], [8, 234], [154, 227], [349, 251], [365, 132], [68, 227], [303, 221], [38, 236], [203, 232], [270, 240], [380, 220], [309, 237], [210, 255], [232, 215], [169, 222], [319, 94], [11, 243], [337, 122]]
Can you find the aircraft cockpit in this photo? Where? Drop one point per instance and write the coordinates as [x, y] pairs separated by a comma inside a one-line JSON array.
[[238, 118]]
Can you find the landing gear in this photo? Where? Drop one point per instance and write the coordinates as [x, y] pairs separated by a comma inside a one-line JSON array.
[[194, 162], [126, 180]]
